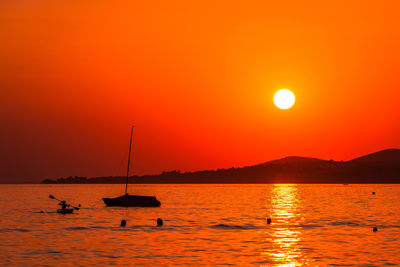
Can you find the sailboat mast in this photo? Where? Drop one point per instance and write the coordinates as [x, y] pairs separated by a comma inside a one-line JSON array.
[[129, 161]]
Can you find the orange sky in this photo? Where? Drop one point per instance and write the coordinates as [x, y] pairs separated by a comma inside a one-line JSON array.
[[197, 80]]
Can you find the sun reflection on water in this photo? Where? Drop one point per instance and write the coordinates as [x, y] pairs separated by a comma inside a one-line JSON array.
[[283, 239]]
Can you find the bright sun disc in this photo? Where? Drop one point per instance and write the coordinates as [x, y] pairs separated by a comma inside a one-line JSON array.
[[284, 99]]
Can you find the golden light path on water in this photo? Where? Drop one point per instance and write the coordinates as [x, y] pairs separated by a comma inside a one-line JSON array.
[[285, 248]]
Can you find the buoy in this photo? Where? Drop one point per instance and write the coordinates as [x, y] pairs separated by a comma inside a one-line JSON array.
[[375, 229], [123, 222], [269, 221], [159, 222], [373, 193]]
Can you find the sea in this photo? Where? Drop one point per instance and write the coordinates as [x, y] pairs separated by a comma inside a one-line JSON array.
[[204, 225]]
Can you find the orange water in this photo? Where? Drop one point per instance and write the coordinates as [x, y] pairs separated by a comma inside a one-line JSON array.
[[203, 225]]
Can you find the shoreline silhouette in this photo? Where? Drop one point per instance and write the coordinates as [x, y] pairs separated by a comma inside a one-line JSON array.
[[379, 167]]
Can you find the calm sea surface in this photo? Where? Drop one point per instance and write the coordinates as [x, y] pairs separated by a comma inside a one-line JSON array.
[[203, 225]]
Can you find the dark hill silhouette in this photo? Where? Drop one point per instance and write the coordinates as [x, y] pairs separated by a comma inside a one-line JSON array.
[[379, 167], [293, 160], [384, 157]]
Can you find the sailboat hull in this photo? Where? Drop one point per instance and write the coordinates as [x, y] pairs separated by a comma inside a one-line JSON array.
[[132, 201]]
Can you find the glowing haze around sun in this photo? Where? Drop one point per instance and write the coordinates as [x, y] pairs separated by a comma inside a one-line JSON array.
[[284, 99]]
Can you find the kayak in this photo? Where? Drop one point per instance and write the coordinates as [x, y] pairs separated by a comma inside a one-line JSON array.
[[65, 211]]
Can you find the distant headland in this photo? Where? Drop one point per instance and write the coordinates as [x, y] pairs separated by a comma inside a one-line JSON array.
[[379, 167]]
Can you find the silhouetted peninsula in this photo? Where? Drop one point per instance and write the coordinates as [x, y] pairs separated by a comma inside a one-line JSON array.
[[378, 167]]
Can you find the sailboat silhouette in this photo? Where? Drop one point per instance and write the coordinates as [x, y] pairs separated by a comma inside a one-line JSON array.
[[131, 200]]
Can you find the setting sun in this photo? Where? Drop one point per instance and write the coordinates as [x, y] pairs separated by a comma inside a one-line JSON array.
[[284, 99]]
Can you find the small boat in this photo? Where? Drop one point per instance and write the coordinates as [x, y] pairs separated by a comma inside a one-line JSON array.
[[65, 207], [65, 211], [131, 200]]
